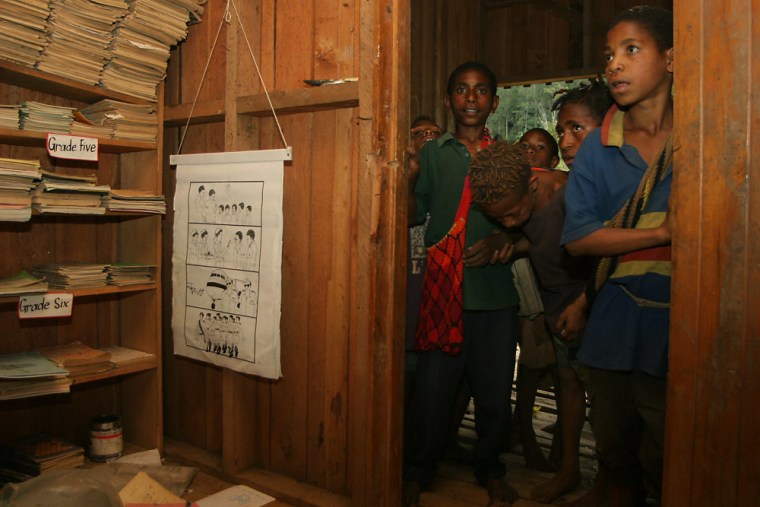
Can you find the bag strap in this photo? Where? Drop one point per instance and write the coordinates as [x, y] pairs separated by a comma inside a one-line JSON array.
[[628, 216]]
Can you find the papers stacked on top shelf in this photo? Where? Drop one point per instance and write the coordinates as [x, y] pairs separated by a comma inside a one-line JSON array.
[[142, 41], [137, 122], [79, 33], [22, 30], [22, 283], [45, 117], [74, 275], [17, 178]]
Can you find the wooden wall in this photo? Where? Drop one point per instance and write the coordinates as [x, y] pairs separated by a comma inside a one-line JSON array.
[[712, 437], [329, 421], [332, 421]]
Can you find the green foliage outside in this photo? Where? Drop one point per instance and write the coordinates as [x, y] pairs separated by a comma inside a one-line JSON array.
[[525, 107]]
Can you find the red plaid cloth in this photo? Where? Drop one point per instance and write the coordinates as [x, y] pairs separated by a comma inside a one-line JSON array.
[[440, 317]]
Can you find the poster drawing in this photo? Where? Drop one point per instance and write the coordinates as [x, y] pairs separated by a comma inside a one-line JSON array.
[[227, 259]]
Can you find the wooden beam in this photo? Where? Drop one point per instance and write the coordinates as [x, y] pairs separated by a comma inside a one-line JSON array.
[[563, 11], [210, 111], [300, 100]]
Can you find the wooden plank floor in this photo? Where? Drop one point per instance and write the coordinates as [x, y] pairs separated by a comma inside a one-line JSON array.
[[453, 487]]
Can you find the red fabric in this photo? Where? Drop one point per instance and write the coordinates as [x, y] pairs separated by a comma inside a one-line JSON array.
[[439, 324], [440, 317]]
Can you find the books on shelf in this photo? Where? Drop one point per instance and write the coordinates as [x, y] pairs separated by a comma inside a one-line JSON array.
[[123, 274], [9, 116], [45, 117], [72, 275], [38, 454], [140, 201], [22, 283], [78, 358], [29, 365], [124, 357], [22, 30], [14, 389], [59, 193], [137, 122]]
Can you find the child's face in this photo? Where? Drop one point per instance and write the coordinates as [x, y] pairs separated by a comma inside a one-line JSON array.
[[424, 132], [538, 150], [471, 99], [513, 211], [636, 68], [574, 122]]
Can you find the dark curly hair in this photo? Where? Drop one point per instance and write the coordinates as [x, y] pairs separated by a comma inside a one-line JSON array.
[[472, 65], [594, 95], [655, 20], [499, 171]]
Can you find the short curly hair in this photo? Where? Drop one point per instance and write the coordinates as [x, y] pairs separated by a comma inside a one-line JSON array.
[[499, 171]]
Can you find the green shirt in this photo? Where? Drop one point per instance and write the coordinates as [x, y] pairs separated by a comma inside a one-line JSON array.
[[443, 166]]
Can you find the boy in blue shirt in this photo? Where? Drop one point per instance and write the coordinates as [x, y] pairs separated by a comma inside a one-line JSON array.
[[616, 203]]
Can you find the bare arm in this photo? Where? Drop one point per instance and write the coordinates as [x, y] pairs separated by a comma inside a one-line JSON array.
[[610, 241]]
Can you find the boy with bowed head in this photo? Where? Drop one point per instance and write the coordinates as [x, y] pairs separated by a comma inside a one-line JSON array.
[[617, 202], [468, 314]]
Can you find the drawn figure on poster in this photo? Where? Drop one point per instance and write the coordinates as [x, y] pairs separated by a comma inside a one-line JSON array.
[[249, 254]]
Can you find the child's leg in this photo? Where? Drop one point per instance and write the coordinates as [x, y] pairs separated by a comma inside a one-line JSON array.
[[492, 338], [454, 449], [572, 414], [527, 386]]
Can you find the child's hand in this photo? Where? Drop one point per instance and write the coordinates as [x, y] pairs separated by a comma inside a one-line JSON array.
[[488, 250], [572, 320]]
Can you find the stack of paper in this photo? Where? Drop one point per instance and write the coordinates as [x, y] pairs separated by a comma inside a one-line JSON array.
[[142, 41], [79, 35], [61, 193], [130, 274], [136, 122], [45, 117], [17, 178], [78, 358], [22, 30], [72, 275], [22, 283], [83, 127], [9, 116], [141, 201], [123, 357]]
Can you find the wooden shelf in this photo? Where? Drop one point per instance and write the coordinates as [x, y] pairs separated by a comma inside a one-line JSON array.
[[116, 372], [96, 291], [25, 77], [34, 138]]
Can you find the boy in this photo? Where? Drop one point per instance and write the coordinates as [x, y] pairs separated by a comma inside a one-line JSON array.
[[540, 148], [617, 198], [468, 315]]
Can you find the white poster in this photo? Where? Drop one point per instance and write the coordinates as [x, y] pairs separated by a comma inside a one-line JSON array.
[[226, 264]]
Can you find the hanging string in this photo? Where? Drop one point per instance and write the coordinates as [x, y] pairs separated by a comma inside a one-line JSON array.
[[226, 19]]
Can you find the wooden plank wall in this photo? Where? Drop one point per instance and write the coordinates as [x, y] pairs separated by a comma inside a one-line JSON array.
[[714, 393], [339, 306]]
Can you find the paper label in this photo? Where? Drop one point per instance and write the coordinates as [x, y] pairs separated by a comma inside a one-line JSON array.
[[40, 306], [72, 147]]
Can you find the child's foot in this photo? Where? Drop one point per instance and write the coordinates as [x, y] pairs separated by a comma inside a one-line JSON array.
[[595, 497], [557, 486], [535, 459], [500, 494], [411, 494]]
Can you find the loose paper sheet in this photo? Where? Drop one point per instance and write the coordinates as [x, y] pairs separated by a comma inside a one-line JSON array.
[[227, 259]]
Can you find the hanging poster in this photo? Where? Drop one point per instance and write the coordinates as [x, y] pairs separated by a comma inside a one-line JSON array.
[[227, 258]]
